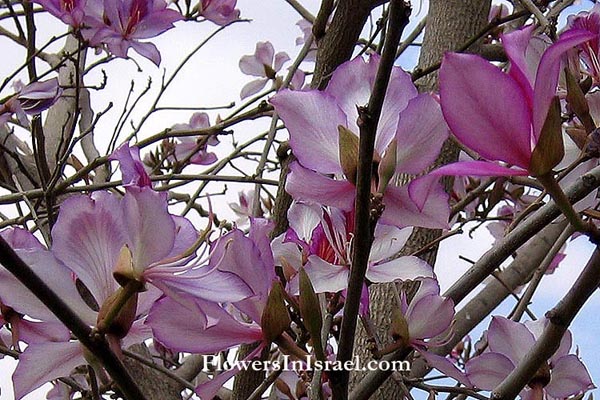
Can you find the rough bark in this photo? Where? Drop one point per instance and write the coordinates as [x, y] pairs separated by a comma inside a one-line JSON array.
[[450, 23]]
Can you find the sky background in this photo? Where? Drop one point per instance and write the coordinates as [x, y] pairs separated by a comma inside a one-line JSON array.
[[213, 78]]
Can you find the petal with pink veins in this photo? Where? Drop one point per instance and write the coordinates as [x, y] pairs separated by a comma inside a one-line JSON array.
[[488, 370], [312, 118], [43, 362], [306, 185], [509, 338], [569, 377]]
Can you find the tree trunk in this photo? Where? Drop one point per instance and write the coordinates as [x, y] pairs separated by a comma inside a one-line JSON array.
[[450, 23]]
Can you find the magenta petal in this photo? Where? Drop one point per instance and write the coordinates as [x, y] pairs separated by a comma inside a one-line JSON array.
[[43, 362], [312, 118], [477, 168], [548, 72], [509, 338], [399, 269], [306, 185], [485, 107], [429, 317], [445, 366], [569, 377], [488, 370], [420, 134], [402, 211], [515, 44]]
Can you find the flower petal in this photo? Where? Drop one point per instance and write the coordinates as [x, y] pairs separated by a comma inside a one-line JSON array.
[[402, 211], [326, 277], [445, 366], [312, 118], [306, 185], [429, 316], [399, 269], [569, 377], [485, 107], [509, 338], [420, 134], [488, 370], [43, 362]]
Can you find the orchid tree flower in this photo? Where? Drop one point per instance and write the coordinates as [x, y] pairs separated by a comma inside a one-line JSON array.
[[320, 239], [195, 148], [589, 21], [50, 352], [265, 64], [221, 12], [121, 24], [30, 99], [426, 316], [504, 116], [208, 327], [324, 133], [71, 12], [106, 231], [562, 376]]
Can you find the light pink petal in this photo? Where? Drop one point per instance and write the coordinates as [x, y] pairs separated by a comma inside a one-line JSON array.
[[304, 218], [485, 107], [445, 366], [420, 134], [488, 370], [19, 238], [306, 185], [326, 277], [250, 65], [280, 59], [185, 235], [537, 328], [43, 362], [150, 228], [388, 241], [288, 251], [41, 332], [427, 287], [264, 53], [87, 238], [131, 166], [401, 210], [399, 269], [429, 316], [253, 87], [351, 86], [509, 338], [59, 278], [185, 328], [548, 72], [203, 283], [147, 50], [260, 228], [569, 377], [312, 118]]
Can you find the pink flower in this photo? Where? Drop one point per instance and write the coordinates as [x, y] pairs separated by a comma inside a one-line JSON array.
[[428, 315], [265, 64], [319, 239], [589, 21], [30, 100], [121, 24], [71, 12], [411, 125], [188, 146], [563, 376], [207, 327], [499, 115], [221, 12]]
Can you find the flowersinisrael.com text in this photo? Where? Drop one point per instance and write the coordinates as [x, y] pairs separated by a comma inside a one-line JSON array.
[[287, 364]]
